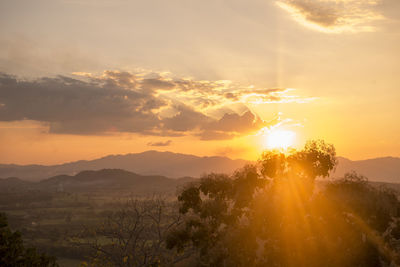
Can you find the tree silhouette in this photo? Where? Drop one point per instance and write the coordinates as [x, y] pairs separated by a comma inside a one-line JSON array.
[[270, 214], [13, 253]]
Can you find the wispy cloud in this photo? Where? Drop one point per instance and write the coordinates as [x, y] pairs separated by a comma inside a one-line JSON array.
[[148, 103], [334, 16], [160, 143]]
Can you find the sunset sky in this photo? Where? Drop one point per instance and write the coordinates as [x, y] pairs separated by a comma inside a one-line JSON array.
[[81, 79]]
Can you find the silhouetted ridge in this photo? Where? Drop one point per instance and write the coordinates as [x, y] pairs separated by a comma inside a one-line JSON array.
[[175, 165], [151, 162], [385, 169], [115, 180]]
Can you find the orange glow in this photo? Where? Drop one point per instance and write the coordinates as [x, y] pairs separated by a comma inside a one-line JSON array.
[[279, 139]]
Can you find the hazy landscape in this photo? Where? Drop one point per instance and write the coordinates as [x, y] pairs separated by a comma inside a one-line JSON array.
[[175, 165], [208, 133], [54, 214]]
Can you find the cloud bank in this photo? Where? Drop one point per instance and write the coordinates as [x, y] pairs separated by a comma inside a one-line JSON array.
[[147, 103]]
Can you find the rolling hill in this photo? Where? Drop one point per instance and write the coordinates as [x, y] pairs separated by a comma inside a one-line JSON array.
[[168, 164], [175, 165], [106, 180]]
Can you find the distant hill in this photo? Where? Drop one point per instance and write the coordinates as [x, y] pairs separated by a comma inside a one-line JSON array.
[[385, 169], [168, 164], [177, 165], [106, 180], [13, 184]]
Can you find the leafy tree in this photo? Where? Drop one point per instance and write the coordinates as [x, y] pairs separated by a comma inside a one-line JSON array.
[[270, 214], [13, 253]]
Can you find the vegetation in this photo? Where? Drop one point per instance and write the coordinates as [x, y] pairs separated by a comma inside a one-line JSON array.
[[135, 234], [277, 212], [272, 215], [14, 254]]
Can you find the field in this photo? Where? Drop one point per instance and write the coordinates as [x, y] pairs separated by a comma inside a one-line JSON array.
[[59, 223]]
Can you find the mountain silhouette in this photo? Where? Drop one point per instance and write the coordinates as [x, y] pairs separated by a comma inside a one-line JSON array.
[[175, 165], [385, 169], [167, 164], [106, 180]]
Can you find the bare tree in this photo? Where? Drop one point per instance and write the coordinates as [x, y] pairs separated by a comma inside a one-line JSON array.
[[134, 235]]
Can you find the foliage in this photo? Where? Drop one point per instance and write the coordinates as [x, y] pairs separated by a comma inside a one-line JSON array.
[[13, 253], [270, 214]]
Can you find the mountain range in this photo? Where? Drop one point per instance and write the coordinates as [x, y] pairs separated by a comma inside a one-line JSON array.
[[175, 165], [106, 180], [385, 169]]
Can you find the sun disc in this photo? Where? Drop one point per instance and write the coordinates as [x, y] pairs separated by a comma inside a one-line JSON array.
[[280, 139]]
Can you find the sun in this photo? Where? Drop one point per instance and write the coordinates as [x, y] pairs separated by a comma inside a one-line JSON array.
[[279, 139]]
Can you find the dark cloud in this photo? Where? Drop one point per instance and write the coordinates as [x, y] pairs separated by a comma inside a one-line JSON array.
[[232, 125], [229, 126], [160, 143], [116, 102], [234, 122], [186, 119], [76, 106]]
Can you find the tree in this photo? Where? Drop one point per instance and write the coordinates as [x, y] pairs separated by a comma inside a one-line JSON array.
[[270, 214], [370, 212], [13, 253], [134, 235]]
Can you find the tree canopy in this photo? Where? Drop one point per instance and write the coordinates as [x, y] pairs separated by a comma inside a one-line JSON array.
[[272, 214]]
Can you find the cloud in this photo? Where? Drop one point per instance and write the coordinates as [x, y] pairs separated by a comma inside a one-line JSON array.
[[186, 119], [79, 107], [231, 125], [160, 143], [147, 103], [334, 16]]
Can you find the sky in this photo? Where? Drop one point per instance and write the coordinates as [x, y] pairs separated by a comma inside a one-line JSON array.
[[81, 79]]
